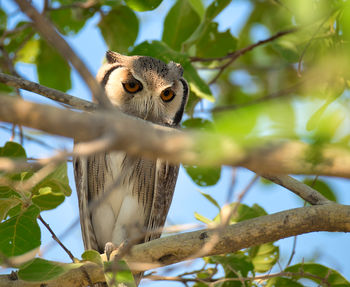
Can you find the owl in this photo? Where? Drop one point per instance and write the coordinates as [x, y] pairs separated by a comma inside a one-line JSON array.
[[149, 89]]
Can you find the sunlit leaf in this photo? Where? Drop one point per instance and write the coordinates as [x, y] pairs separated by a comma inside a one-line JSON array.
[[198, 6], [56, 180], [39, 270], [202, 218], [143, 5], [20, 233], [179, 24], [52, 190], [119, 28], [46, 199], [318, 273], [211, 199], [49, 65], [264, 256], [93, 256], [29, 52], [123, 275]]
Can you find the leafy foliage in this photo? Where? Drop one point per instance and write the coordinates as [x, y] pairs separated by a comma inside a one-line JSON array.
[[19, 209], [118, 36], [292, 87]]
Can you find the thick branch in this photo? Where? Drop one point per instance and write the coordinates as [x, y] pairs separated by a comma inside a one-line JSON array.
[[47, 92], [47, 31], [142, 138], [177, 248]]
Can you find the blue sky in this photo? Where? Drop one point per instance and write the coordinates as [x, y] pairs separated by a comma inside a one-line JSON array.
[[332, 248]]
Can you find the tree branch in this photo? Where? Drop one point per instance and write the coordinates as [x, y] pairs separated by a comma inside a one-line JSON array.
[[149, 140], [306, 192], [52, 94], [180, 247], [47, 30]]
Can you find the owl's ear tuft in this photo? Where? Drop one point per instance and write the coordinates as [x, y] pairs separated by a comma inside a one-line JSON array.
[[113, 57], [175, 67]]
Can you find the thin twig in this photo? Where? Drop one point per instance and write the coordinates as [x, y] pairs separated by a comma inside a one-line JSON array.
[[242, 51], [47, 30], [293, 251], [311, 40], [50, 93], [236, 54], [71, 256]]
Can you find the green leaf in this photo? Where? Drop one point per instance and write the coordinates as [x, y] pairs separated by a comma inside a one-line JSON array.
[[70, 21], [53, 70], [198, 123], [39, 270], [202, 218], [57, 180], [16, 40], [215, 8], [162, 52], [20, 233], [234, 265], [51, 191], [123, 275], [29, 52], [143, 5], [203, 176], [3, 21], [93, 256], [287, 49], [319, 273], [6, 204], [282, 282], [13, 150], [244, 212], [211, 12], [214, 43], [119, 28], [46, 199], [322, 187], [179, 24], [264, 256], [211, 199], [198, 6]]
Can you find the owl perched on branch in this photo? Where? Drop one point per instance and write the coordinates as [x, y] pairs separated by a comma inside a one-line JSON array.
[[154, 91]]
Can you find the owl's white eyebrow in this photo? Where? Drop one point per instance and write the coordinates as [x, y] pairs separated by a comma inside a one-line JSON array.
[[108, 73]]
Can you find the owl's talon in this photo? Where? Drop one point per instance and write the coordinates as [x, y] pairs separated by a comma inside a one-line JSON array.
[[109, 248]]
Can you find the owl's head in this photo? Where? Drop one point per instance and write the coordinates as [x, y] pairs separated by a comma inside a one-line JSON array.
[[145, 87]]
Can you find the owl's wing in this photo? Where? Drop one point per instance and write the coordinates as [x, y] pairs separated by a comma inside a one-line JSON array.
[[164, 186], [81, 171]]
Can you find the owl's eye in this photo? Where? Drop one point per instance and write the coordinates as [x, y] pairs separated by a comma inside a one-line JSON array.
[[132, 86], [167, 95]]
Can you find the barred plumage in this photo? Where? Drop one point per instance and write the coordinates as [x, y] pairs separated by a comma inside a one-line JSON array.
[[152, 90]]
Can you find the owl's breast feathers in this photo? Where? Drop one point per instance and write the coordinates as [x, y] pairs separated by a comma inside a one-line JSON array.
[[138, 204]]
